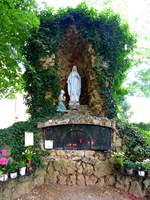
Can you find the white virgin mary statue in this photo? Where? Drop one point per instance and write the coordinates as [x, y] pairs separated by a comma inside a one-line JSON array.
[[74, 87]]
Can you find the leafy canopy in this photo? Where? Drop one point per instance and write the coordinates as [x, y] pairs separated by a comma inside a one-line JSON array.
[[17, 19], [141, 85]]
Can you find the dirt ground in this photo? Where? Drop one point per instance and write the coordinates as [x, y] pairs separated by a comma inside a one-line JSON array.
[[57, 192]]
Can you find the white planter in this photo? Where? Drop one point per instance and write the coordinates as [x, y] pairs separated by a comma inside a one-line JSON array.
[[141, 173], [13, 175], [129, 171], [4, 178], [22, 171]]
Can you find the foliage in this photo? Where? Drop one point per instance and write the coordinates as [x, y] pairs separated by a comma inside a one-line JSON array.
[[140, 165], [129, 164], [21, 164], [110, 38], [119, 158], [137, 148], [143, 126], [14, 138], [17, 19], [146, 164], [145, 134], [28, 153], [37, 160], [144, 129], [12, 167], [141, 85], [38, 85], [124, 113]]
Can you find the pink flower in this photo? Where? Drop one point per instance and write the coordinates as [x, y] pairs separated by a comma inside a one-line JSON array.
[[3, 152], [3, 161]]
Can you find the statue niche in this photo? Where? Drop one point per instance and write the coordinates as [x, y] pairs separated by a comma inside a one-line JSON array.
[[75, 51]]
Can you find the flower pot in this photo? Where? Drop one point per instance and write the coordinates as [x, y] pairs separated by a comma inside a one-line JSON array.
[[4, 178], [22, 171], [129, 172], [13, 175], [141, 173]]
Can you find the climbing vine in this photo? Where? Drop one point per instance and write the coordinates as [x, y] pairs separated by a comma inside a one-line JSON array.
[[106, 32]]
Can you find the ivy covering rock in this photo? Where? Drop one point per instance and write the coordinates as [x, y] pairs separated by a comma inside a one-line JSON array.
[[111, 41]]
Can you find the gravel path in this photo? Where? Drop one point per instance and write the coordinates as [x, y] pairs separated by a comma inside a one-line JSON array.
[[57, 192]]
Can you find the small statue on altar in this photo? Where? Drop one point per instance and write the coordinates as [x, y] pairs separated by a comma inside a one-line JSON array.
[[61, 107], [74, 87]]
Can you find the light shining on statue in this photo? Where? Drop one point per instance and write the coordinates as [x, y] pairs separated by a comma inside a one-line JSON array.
[[74, 87]]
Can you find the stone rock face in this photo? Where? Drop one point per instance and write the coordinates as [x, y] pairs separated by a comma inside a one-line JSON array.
[[81, 168], [78, 153], [66, 167], [61, 180], [76, 117], [40, 177], [136, 189], [14, 189], [49, 61], [60, 153], [84, 171], [80, 180], [101, 182], [96, 103], [118, 142], [123, 183], [90, 180], [23, 187], [72, 180], [148, 193], [88, 170], [89, 154], [146, 183], [110, 180], [103, 168], [50, 172]]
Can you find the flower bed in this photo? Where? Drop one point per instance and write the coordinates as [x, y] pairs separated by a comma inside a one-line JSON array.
[[12, 169]]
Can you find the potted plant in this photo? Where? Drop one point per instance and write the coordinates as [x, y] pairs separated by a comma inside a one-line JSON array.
[[22, 167], [129, 166], [1, 175], [28, 155], [141, 168], [146, 164], [119, 160], [4, 174], [13, 168], [3, 166]]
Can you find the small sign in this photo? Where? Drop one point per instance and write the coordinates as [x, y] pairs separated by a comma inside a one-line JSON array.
[[29, 139], [48, 144]]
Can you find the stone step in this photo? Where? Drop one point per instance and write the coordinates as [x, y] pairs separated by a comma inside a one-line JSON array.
[[84, 107], [81, 109]]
